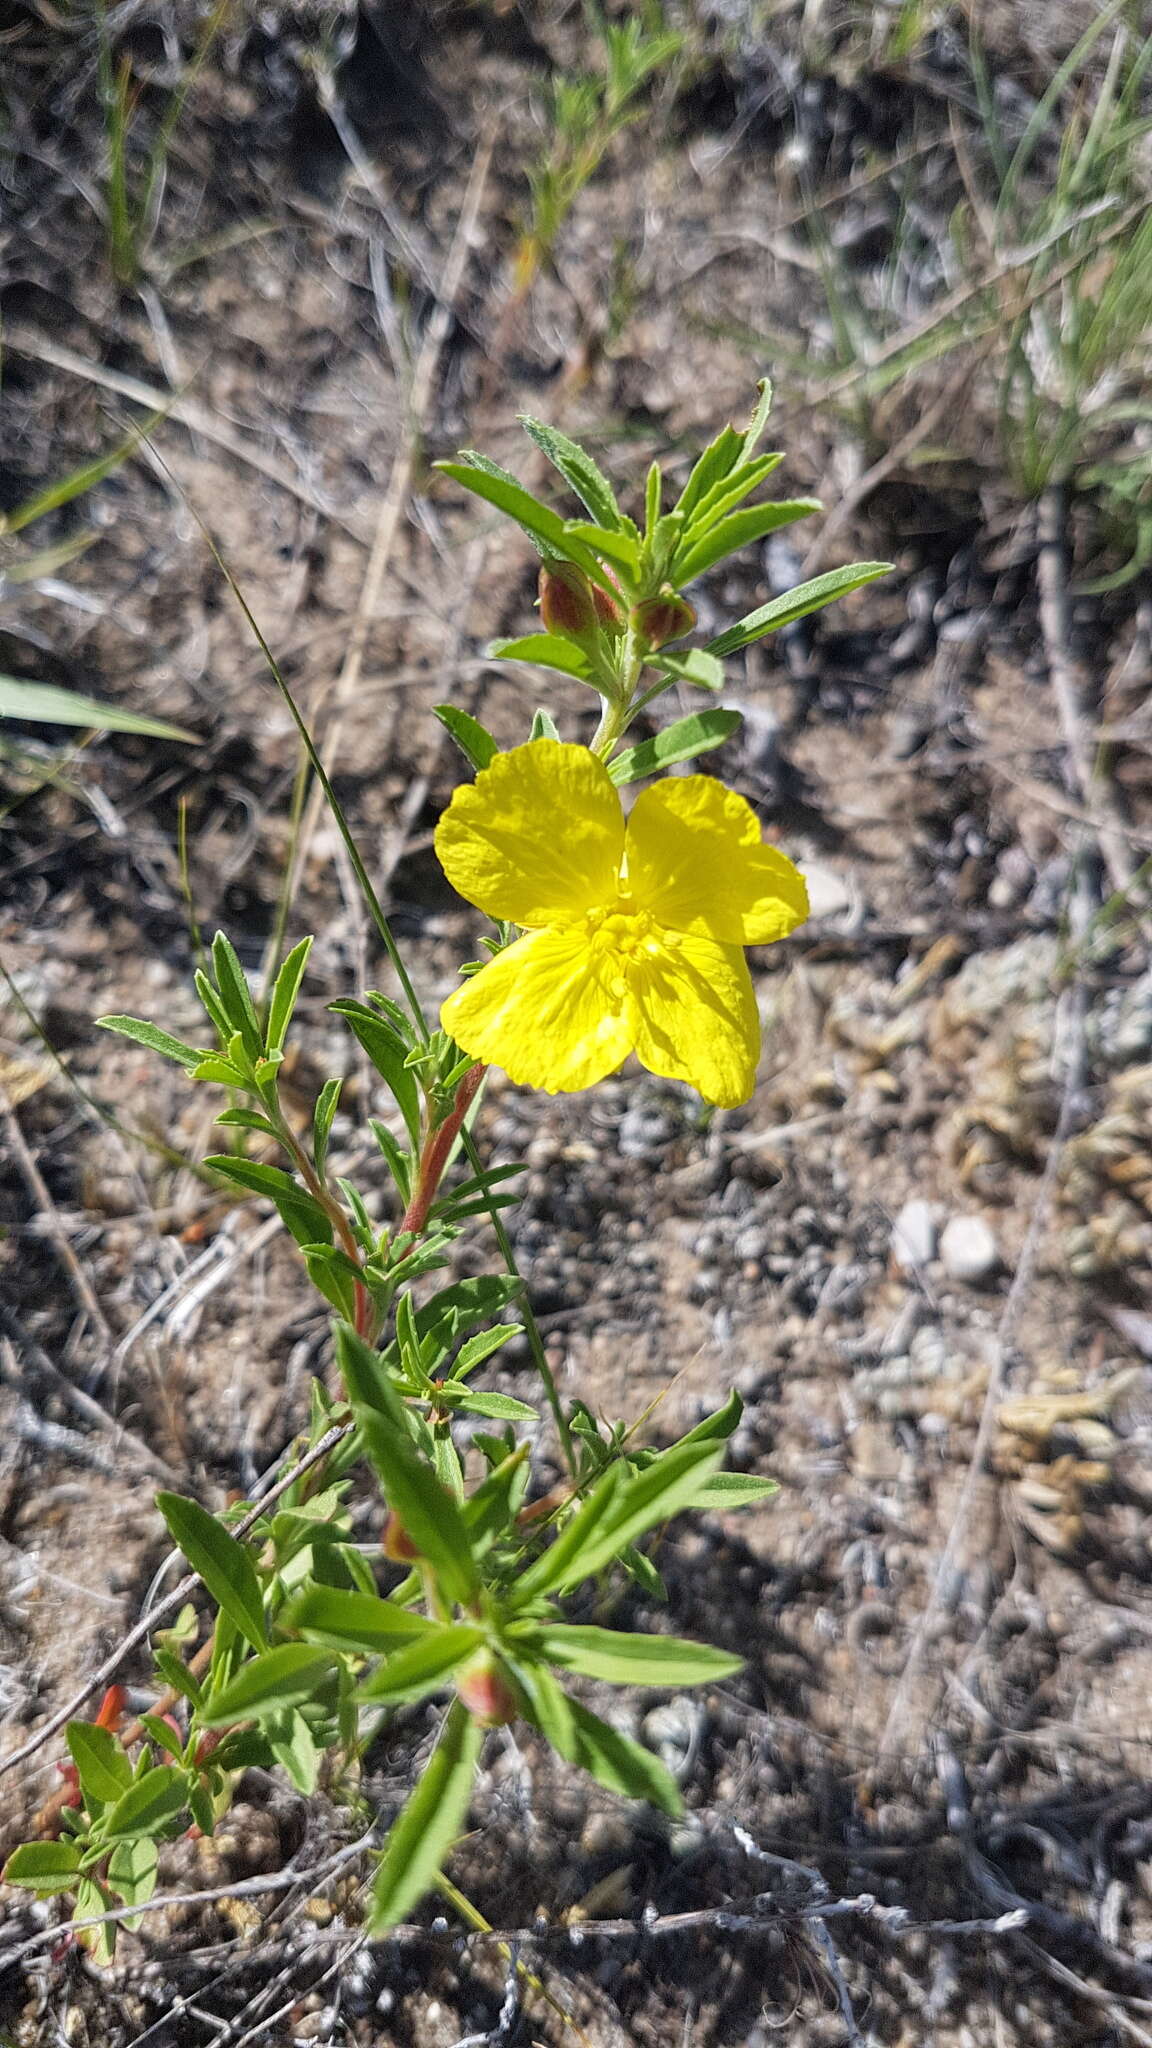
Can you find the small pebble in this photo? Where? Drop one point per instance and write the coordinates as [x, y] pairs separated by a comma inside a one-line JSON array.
[[914, 1236], [969, 1250]]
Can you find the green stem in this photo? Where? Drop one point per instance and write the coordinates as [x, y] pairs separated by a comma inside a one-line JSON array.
[[531, 1327]]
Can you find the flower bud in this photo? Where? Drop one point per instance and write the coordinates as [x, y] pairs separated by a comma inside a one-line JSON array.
[[486, 1689], [663, 618], [567, 603], [397, 1543], [608, 613]]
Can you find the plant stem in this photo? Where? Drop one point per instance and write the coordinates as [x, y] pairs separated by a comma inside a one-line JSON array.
[[436, 1152]]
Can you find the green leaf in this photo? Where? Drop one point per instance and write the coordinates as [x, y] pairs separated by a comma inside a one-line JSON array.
[[157, 1041], [176, 1674], [84, 478], [728, 493], [93, 1898], [619, 1509], [163, 1736], [473, 739], [619, 547], [578, 469], [247, 1120], [150, 1805], [548, 650], [398, 1161], [353, 1621], [103, 1768], [284, 993], [212, 1068], [421, 1839], [223, 1564], [456, 1308], [132, 1871], [544, 726], [717, 1427], [495, 1407], [334, 1275], [693, 557], [326, 1105], [387, 1052], [480, 1347], [302, 1216], [733, 1490], [289, 1676], [582, 1738], [297, 1751], [697, 667], [44, 1867], [423, 1666], [213, 1006], [508, 496], [796, 604], [716, 462], [696, 734], [46, 704], [625, 1659], [754, 431], [427, 1511], [235, 997]]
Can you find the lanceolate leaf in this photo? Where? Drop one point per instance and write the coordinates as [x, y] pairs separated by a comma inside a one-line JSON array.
[[428, 1512], [288, 1676], [718, 460], [301, 1215], [223, 1564], [285, 992], [625, 1659], [548, 650], [578, 469], [473, 739], [354, 1621], [695, 556], [387, 1052], [796, 604], [156, 1041], [731, 490], [423, 1666], [690, 736], [582, 1738], [618, 1511], [422, 1837], [47, 704]]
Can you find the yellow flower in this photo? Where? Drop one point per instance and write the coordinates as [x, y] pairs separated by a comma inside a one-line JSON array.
[[633, 933]]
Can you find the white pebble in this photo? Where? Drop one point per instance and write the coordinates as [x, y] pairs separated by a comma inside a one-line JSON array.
[[969, 1250], [914, 1236]]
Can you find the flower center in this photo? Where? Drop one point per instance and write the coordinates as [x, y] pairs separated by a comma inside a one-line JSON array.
[[620, 935]]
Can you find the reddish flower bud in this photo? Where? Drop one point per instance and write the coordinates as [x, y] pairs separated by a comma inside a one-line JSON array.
[[567, 600], [486, 1689], [663, 618], [608, 613], [398, 1544]]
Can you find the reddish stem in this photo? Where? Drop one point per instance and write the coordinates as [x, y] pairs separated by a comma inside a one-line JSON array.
[[437, 1150]]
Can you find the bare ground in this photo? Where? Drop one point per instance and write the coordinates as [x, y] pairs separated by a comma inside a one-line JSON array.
[[946, 1611]]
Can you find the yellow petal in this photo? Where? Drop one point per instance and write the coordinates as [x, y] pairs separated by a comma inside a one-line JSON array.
[[697, 862], [694, 1016], [537, 838], [543, 1012]]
